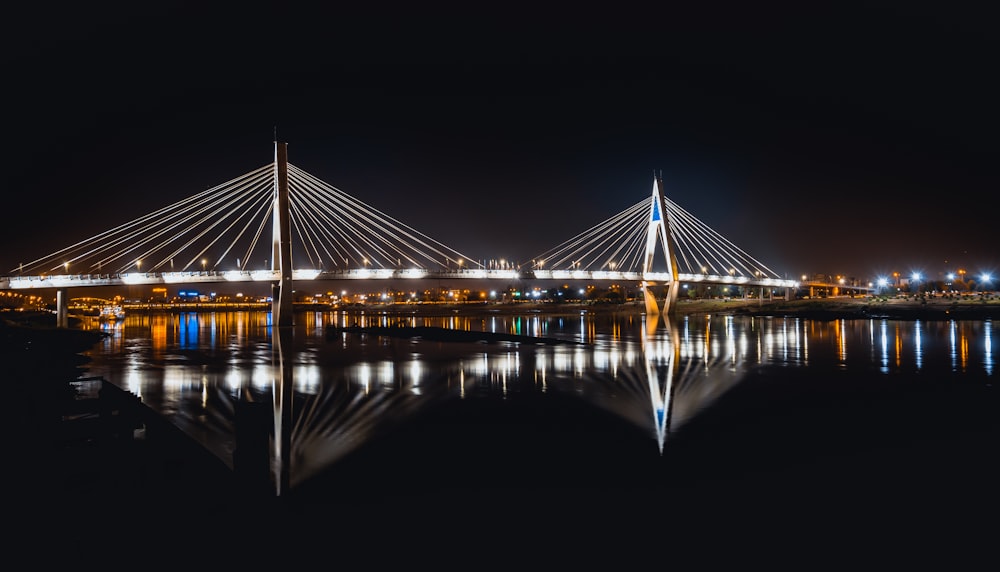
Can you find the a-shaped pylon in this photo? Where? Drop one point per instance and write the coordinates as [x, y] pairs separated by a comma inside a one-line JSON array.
[[659, 229]]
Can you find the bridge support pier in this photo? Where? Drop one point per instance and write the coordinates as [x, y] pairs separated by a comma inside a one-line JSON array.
[[653, 306], [669, 305], [281, 242], [62, 313]]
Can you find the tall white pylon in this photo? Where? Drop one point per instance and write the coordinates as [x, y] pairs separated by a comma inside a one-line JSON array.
[[281, 242], [659, 229]]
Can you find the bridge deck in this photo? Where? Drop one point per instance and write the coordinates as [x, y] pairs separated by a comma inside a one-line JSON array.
[[84, 280]]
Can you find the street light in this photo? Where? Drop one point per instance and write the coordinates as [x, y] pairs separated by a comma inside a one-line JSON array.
[[203, 263]]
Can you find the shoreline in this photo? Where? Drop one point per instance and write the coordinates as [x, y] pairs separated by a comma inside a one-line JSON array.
[[861, 308], [818, 309], [940, 308]]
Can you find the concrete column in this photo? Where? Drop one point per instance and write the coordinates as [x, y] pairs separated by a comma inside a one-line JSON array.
[[62, 316]]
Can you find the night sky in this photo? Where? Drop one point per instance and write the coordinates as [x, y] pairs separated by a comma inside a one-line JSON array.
[[845, 144]]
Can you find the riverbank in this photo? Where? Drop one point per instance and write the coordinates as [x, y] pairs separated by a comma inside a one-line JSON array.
[[977, 307], [969, 308], [940, 308]]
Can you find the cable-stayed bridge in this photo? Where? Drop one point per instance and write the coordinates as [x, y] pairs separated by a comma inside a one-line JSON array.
[[251, 229]]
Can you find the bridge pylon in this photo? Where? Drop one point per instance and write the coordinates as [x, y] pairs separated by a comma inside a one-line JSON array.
[[282, 314], [659, 231]]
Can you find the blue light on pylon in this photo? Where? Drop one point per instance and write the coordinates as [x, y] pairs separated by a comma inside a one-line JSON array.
[[656, 211]]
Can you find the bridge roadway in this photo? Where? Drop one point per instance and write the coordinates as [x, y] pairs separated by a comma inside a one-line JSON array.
[[157, 278]]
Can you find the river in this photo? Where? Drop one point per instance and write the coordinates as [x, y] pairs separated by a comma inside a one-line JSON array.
[[862, 421]]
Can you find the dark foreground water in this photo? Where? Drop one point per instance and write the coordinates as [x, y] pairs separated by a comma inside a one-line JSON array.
[[735, 435]]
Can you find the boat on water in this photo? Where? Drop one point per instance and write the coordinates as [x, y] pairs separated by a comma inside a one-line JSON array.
[[104, 310], [111, 313]]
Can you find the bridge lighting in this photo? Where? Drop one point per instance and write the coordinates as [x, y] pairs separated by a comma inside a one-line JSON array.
[[203, 264]]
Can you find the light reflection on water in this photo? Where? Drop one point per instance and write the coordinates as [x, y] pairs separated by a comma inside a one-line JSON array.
[[327, 397]]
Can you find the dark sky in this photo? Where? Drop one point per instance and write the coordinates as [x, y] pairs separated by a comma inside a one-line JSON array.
[[852, 144]]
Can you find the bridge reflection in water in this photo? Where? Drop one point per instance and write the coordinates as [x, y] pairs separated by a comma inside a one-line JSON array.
[[283, 410]]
